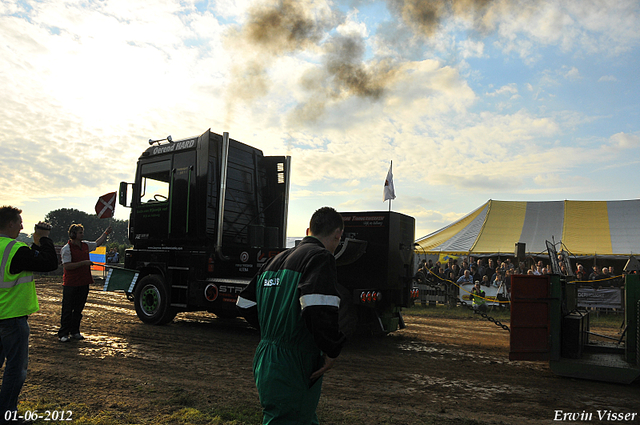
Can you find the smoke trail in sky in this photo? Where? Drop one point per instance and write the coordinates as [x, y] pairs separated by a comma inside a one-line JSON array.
[[287, 26], [425, 16], [344, 73], [279, 27]]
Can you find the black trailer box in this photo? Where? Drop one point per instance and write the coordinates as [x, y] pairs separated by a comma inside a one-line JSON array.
[[574, 334], [387, 263]]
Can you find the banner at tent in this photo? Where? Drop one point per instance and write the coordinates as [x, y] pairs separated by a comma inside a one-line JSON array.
[[444, 258], [600, 298]]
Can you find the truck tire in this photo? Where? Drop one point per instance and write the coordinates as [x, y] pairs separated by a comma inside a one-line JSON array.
[[152, 301]]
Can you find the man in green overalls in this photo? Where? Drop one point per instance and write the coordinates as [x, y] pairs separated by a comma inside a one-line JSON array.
[[294, 303]]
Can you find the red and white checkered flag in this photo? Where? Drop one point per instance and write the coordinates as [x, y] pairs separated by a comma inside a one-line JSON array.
[[106, 205]]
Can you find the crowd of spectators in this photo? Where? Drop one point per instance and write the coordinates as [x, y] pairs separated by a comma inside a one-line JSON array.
[[486, 272], [489, 272], [113, 256]]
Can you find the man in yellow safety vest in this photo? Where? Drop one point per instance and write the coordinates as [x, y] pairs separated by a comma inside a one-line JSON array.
[[478, 295], [18, 300]]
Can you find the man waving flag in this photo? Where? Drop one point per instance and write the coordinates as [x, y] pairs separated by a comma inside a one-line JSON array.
[[389, 190]]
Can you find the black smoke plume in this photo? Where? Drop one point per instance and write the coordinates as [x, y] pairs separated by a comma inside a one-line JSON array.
[[278, 27]]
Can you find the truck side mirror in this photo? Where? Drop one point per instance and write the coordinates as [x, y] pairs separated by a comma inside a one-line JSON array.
[[122, 194]]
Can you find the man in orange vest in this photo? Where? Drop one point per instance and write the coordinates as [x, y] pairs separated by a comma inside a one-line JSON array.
[[76, 279], [18, 300]]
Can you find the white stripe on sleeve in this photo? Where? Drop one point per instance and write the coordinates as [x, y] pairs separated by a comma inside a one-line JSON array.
[[319, 299]]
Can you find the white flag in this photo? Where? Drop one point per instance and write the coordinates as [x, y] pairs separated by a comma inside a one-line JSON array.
[[389, 190]]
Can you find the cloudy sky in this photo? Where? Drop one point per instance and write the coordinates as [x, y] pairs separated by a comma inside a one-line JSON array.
[[471, 99]]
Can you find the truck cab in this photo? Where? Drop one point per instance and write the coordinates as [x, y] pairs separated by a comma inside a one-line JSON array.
[[206, 213]]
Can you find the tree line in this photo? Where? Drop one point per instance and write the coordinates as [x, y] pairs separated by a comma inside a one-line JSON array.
[[61, 219]]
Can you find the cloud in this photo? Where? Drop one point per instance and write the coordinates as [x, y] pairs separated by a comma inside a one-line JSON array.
[[509, 89], [548, 180], [475, 182], [351, 25], [490, 153], [563, 185], [603, 27], [471, 48], [572, 73], [430, 220], [337, 42], [341, 91], [78, 100], [606, 78], [597, 27], [625, 141]]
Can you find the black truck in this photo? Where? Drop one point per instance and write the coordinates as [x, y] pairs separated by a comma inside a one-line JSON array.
[[208, 211]]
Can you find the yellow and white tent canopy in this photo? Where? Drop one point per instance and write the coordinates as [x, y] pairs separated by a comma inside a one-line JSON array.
[[585, 228]]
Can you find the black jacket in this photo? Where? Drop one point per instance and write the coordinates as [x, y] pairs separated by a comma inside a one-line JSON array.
[[38, 258]]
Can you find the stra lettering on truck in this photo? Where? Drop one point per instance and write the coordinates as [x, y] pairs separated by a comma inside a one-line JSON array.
[[230, 289]]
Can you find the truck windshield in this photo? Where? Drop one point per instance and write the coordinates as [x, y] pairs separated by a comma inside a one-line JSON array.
[[156, 177]]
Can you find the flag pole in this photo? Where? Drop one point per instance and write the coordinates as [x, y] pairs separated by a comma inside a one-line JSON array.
[[390, 200]]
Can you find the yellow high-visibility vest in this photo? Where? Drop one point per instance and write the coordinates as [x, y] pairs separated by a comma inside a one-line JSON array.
[[477, 300], [17, 291]]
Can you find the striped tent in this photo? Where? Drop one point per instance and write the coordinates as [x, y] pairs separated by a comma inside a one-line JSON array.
[[585, 228]]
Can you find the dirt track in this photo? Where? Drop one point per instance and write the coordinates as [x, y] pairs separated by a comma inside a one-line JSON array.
[[434, 370]]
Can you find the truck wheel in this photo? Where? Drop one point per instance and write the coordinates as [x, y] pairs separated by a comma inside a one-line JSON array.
[[152, 301]]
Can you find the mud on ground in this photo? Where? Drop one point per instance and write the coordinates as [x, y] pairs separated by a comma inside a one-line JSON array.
[[435, 370]]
